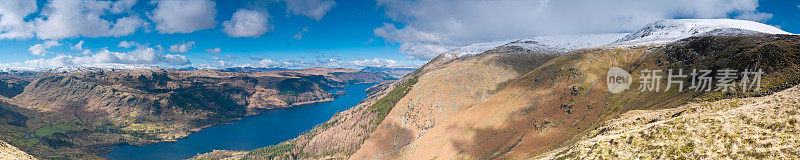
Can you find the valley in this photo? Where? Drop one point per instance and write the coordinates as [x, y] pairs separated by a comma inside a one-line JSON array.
[[399, 79], [249, 133], [73, 114]]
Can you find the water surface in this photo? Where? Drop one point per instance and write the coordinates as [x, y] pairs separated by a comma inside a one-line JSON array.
[[252, 132]]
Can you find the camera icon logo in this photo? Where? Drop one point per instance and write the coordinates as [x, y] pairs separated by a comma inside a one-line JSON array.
[[618, 80]]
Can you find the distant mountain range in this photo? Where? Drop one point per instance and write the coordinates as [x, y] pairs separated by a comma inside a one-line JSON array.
[[250, 69], [396, 72]]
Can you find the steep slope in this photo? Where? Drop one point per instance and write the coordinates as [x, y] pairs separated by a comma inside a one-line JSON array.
[[439, 91], [450, 89], [11, 87], [558, 101], [13, 83], [475, 78], [748, 128]]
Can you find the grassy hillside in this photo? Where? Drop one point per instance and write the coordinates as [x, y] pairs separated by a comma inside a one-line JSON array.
[[559, 102], [343, 134], [739, 128]]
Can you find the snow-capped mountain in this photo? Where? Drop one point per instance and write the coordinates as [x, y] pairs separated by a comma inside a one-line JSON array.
[[17, 70], [100, 66], [83, 67], [565, 43], [676, 29], [544, 44], [658, 31], [474, 48]]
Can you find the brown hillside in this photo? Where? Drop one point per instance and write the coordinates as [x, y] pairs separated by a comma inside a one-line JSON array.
[[558, 102]]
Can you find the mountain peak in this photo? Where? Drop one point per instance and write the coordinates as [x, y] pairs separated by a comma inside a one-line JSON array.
[[675, 29], [546, 44]]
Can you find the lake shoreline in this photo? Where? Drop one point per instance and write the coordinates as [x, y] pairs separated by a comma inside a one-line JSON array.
[[110, 151]]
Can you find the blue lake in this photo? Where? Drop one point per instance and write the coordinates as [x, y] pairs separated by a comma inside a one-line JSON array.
[[249, 133]]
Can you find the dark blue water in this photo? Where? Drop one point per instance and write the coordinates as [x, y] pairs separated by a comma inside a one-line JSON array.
[[252, 132]]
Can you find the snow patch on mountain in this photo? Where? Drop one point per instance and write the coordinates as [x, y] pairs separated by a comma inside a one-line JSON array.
[[566, 43], [473, 48], [676, 29], [543, 44], [10, 70], [83, 67], [101, 66]]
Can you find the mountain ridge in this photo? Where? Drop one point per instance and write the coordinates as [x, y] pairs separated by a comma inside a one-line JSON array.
[[675, 29], [502, 119]]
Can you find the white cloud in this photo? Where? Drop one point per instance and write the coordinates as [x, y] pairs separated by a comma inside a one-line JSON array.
[[121, 6], [78, 46], [424, 50], [67, 18], [12, 18], [314, 9], [247, 23], [184, 16], [265, 62], [330, 63], [299, 35], [127, 25], [268, 63], [138, 56], [213, 50], [70, 18], [175, 59], [41, 49], [181, 47], [447, 23], [127, 44], [377, 62], [224, 61], [86, 52]]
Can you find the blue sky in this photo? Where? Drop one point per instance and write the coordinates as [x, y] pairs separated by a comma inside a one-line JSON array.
[[328, 33], [786, 14]]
